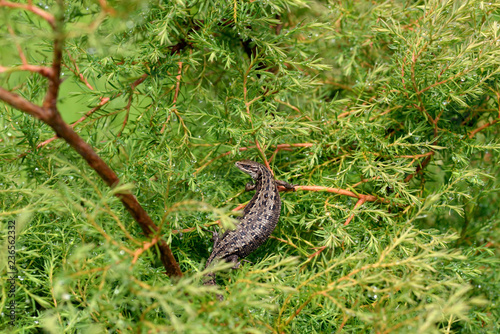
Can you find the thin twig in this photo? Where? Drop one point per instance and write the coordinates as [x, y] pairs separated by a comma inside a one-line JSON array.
[[129, 103], [263, 155], [145, 247], [482, 127], [34, 9], [176, 94], [77, 72], [420, 167], [241, 149], [49, 114], [367, 198], [358, 204], [54, 120]]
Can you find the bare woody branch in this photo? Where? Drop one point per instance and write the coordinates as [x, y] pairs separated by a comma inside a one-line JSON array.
[[49, 114], [63, 130], [484, 126], [34, 9], [365, 198]]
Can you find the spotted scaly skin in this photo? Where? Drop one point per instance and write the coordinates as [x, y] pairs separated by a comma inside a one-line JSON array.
[[259, 219]]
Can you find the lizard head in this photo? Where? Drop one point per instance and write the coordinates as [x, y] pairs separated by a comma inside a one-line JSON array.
[[252, 168]]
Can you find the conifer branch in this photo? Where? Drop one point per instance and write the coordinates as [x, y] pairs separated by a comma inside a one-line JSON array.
[[49, 18], [63, 130], [49, 114], [347, 106]]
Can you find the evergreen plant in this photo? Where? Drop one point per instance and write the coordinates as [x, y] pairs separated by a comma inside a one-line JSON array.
[[383, 113]]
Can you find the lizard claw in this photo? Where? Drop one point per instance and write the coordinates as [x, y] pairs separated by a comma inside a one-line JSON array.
[[286, 185], [215, 235]]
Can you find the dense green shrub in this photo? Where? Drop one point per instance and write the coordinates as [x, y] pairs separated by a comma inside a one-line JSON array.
[[390, 108]]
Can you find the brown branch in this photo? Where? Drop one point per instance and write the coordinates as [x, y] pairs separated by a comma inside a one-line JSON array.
[[77, 72], [388, 110], [53, 118], [482, 127], [403, 75], [415, 87], [106, 8], [239, 207], [90, 112], [362, 199], [288, 147], [333, 83], [129, 103], [284, 241], [344, 321], [444, 81], [420, 167], [335, 284], [288, 105], [283, 146], [138, 81], [358, 204], [344, 114], [262, 154], [245, 76], [428, 155], [104, 100], [35, 10], [19, 103], [50, 101], [364, 181], [276, 152], [433, 121], [127, 113], [313, 255], [19, 49], [416, 156], [366, 198], [49, 114], [145, 247], [241, 149], [176, 94], [42, 70]]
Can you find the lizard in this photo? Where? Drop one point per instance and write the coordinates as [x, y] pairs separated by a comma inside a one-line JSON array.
[[259, 219]]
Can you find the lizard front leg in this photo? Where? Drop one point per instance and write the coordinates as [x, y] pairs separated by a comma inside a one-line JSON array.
[[249, 186], [215, 236], [284, 184]]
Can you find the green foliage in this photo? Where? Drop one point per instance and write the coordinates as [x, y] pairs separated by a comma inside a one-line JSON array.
[[396, 99]]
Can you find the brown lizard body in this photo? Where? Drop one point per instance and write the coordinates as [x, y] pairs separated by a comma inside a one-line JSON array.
[[259, 219]]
